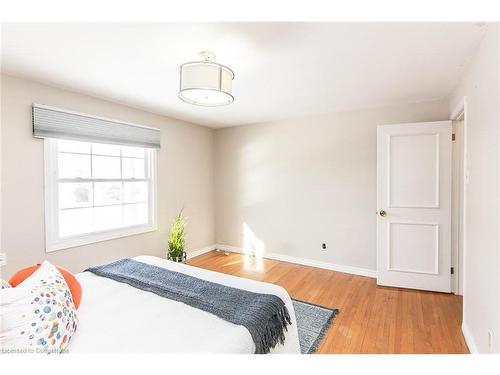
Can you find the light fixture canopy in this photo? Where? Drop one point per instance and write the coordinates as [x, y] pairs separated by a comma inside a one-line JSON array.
[[206, 82]]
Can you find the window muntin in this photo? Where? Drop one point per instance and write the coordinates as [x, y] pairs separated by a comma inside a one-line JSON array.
[[97, 192]]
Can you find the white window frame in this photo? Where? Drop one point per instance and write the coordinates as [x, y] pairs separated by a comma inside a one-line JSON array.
[[52, 240]]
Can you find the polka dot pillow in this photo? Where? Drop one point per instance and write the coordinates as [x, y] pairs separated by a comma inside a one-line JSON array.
[[4, 284], [37, 316]]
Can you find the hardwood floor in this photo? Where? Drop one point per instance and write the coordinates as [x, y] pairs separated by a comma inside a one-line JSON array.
[[372, 319]]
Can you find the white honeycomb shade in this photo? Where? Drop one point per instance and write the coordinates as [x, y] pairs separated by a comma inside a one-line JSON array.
[[206, 84], [49, 122]]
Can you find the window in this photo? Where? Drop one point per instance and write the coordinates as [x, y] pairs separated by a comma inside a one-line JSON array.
[[95, 192]]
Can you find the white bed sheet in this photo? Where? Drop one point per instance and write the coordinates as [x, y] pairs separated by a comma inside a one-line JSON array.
[[116, 317]]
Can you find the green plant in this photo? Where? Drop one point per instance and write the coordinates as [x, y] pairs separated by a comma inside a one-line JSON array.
[[176, 237]]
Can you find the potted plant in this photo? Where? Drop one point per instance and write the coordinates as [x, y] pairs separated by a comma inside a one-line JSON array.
[[176, 240]]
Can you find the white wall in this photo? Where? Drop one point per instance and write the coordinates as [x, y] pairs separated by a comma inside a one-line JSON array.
[[482, 254], [185, 178], [298, 183]]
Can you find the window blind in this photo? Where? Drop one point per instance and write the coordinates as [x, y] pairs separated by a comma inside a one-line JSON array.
[[50, 122]]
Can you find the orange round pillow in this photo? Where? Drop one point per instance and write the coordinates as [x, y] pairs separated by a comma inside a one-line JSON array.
[[74, 286]]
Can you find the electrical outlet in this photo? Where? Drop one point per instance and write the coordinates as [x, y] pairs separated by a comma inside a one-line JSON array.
[[3, 259], [323, 246], [490, 341]]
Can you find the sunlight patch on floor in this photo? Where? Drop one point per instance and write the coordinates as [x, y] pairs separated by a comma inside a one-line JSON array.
[[232, 263], [253, 249]]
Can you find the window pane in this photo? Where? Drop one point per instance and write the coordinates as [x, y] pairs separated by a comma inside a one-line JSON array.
[[135, 214], [106, 193], [72, 195], [135, 192], [133, 168], [74, 165], [105, 167], [134, 152], [77, 221], [108, 217], [95, 205], [73, 146], [102, 149]]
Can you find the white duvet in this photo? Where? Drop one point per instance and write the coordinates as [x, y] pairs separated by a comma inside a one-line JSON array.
[[116, 317]]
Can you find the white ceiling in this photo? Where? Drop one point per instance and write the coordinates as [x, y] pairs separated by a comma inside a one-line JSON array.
[[282, 70]]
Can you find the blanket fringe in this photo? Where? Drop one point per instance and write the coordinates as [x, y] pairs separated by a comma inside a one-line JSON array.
[[274, 331]]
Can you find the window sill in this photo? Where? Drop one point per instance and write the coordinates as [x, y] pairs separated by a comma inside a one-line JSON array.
[[91, 238]]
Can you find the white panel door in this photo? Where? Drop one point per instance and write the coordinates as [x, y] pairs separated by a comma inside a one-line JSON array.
[[414, 205]]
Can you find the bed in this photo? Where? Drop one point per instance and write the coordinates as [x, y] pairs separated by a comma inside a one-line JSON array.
[[116, 317]]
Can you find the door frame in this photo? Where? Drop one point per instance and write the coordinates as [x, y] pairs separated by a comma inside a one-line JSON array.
[[459, 206]]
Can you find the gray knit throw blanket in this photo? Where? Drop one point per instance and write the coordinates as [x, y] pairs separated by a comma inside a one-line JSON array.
[[264, 315]]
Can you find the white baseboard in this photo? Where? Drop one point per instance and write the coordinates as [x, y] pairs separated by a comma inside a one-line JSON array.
[[469, 340], [203, 250], [306, 262]]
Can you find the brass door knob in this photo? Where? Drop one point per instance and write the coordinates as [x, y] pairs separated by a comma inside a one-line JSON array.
[[382, 213]]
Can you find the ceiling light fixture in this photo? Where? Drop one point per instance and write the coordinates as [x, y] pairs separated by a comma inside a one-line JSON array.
[[205, 82]]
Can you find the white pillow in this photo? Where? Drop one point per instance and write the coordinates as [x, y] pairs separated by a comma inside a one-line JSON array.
[[38, 315]]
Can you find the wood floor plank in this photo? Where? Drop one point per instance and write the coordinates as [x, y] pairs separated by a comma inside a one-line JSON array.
[[372, 319]]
